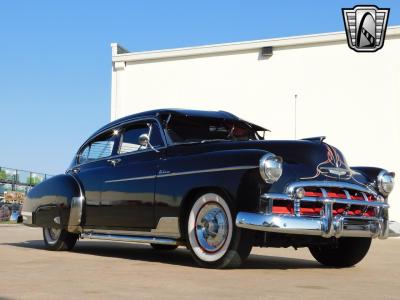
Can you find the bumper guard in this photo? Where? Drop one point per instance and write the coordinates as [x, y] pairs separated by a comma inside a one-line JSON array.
[[326, 225]]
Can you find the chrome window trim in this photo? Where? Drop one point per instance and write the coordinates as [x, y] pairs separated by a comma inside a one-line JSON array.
[[117, 126], [83, 147], [142, 150], [127, 122], [115, 156], [111, 157]]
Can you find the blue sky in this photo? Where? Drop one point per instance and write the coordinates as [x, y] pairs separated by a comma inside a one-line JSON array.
[[55, 59]]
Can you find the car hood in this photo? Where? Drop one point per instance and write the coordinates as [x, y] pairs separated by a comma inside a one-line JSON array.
[[303, 159], [321, 157]]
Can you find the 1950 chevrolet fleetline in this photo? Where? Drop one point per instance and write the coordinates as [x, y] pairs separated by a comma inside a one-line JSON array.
[[209, 181]]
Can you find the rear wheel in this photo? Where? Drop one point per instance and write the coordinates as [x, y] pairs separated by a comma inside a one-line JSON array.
[[163, 247], [59, 239], [347, 252], [212, 237]]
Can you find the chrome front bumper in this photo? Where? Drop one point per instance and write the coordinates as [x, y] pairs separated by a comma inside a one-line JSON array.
[[326, 225]]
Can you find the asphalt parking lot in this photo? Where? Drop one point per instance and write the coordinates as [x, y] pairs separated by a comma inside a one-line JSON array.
[[103, 270]]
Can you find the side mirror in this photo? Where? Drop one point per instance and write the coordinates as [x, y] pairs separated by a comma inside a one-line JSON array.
[[144, 140]]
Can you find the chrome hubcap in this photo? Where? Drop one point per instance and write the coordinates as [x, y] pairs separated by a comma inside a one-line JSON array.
[[52, 234], [211, 227]]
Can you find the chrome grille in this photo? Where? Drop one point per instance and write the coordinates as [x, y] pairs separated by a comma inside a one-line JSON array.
[[348, 199]]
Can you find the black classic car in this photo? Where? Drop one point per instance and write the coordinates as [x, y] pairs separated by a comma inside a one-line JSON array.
[[209, 181]]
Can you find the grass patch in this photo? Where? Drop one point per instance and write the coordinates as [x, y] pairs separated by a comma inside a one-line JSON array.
[[8, 222]]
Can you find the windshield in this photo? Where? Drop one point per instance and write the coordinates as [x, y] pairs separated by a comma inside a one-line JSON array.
[[182, 129]]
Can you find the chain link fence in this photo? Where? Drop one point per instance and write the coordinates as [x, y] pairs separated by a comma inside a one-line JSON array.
[[14, 184], [19, 180]]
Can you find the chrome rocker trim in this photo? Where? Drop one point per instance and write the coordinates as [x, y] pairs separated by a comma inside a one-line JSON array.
[[327, 225], [128, 238]]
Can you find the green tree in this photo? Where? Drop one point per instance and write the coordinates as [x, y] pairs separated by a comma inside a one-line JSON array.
[[3, 175], [33, 180]]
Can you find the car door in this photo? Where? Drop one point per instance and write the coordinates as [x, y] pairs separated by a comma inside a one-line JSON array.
[[89, 171], [129, 181]]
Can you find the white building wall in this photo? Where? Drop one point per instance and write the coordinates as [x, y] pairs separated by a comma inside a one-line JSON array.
[[352, 98]]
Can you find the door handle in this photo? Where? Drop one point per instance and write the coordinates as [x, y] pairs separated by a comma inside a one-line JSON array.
[[114, 161]]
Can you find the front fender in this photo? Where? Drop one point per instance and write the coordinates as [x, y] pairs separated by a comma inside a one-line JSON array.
[[235, 166], [57, 202], [370, 173], [227, 170]]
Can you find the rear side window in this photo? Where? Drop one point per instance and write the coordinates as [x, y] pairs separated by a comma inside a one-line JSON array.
[[99, 148], [130, 137]]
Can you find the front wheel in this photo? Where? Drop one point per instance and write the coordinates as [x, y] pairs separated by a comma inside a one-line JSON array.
[[59, 239], [346, 253], [212, 237]]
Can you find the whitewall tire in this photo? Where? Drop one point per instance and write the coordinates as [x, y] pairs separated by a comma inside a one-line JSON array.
[[212, 236], [58, 239]]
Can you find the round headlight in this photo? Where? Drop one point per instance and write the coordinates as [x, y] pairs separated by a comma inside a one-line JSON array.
[[270, 167], [385, 182]]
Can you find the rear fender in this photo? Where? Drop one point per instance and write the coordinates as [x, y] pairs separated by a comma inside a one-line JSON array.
[[57, 202]]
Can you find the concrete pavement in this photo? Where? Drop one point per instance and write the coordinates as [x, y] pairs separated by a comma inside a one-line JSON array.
[[103, 270]]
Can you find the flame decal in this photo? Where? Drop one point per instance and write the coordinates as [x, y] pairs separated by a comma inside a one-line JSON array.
[[333, 166]]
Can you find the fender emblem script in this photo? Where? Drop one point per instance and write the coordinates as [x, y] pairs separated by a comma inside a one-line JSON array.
[[161, 172]]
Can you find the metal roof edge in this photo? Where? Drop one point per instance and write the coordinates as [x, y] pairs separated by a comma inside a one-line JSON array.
[[121, 54]]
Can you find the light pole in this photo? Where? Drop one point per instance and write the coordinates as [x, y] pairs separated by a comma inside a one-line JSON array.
[[295, 116]]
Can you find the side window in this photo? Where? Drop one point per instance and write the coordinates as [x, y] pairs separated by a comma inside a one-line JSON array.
[[130, 137], [99, 148], [83, 157]]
